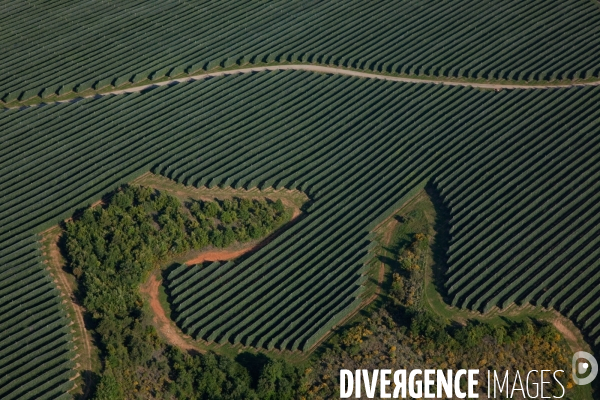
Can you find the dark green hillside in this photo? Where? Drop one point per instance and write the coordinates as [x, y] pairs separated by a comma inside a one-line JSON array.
[[57, 46], [517, 168]]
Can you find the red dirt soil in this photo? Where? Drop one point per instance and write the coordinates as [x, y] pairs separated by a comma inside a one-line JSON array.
[[165, 326], [222, 254]]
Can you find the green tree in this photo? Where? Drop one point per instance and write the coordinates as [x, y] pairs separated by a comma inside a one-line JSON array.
[[108, 388]]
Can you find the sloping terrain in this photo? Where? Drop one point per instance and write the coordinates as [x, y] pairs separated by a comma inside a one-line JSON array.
[[517, 168], [53, 47], [36, 357]]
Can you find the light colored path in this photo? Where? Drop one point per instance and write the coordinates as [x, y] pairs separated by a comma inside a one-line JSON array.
[[164, 325], [222, 254], [57, 262], [330, 70], [343, 71], [151, 289]]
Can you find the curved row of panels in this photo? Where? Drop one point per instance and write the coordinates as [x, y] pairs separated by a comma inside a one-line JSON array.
[[517, 168], [54, 47]]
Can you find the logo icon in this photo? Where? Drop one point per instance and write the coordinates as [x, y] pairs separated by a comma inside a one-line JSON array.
[[582, 367]]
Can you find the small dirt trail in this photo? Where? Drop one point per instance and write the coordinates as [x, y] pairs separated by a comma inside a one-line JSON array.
[[222, 255], [294, 207], [567, 333], [67, 290], [372, 298], [328, 70], [389, 225], [165, 326]]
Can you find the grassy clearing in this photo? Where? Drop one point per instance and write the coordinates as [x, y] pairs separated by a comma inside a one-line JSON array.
[[185, 193]]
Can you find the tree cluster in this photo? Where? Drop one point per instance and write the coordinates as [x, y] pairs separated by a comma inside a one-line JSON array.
[[111, 249], [425, 341], [404, 334], [233, 220]]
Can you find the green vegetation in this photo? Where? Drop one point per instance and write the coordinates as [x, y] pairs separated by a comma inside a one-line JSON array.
[[516, 168], [112, 249], [164, 372], [406, 334], [147, 227], [398, 338], [122, 44]]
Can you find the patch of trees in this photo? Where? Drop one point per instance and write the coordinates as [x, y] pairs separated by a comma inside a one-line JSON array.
[[404, 334], [216, 377], [234, 220], [408, 277], [111, 249], [425, 341]]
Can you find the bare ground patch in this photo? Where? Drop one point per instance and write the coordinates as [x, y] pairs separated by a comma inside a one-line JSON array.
[[222, 254], [165, 326]]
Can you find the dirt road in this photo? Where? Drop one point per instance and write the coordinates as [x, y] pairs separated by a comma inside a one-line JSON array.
[[165, 326], [342, 71], [331, 70], [64, 286], [222, 255]]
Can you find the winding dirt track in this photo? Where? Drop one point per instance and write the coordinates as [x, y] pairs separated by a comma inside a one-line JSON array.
[[164, 325], [332, 70], [342, 71], [67, 290], [151, 289]]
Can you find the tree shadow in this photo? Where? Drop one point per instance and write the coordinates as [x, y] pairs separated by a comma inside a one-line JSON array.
[[441, 240], [254, 363], [89, 381]]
